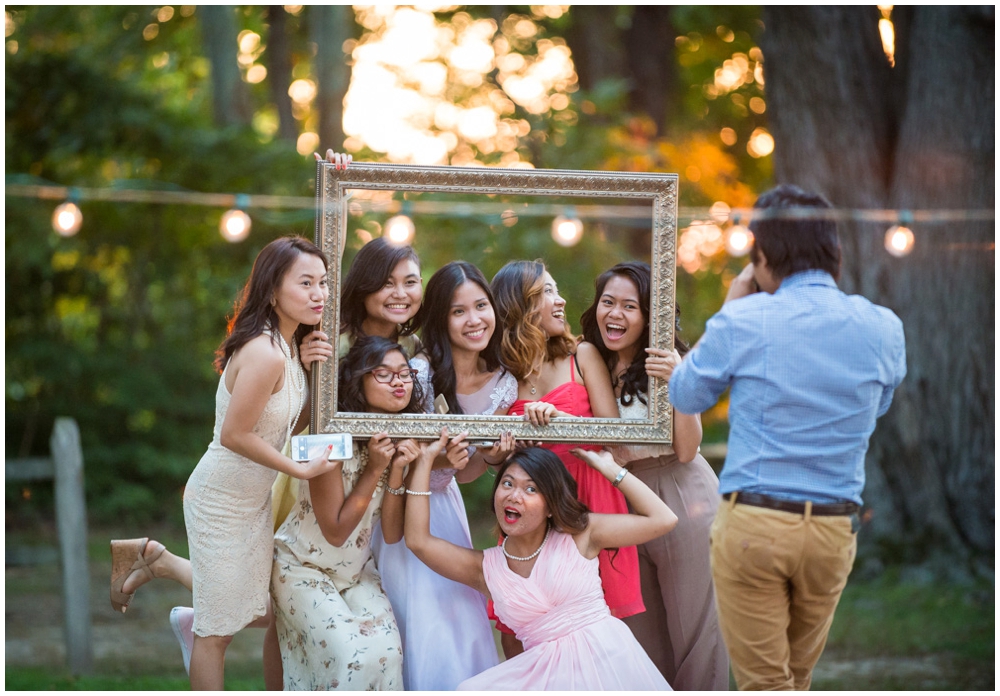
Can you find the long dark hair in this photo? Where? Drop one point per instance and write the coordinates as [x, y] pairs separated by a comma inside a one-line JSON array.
[[366, 354], [370, 269], [554, 482], [432, 320], [635, 381], [253, 311]]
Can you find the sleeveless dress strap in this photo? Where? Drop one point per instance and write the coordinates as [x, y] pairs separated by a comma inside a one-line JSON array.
[[572, 368]]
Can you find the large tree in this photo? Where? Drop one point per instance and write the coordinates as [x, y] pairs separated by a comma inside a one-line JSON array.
[[916, 135]]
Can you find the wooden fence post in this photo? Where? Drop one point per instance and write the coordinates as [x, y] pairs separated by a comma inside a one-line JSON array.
[[71, 520]]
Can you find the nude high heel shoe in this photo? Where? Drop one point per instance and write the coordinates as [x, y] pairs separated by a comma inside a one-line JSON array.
[[126, 556]]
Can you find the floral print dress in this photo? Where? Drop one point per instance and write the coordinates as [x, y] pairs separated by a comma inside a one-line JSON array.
[[335, 625]]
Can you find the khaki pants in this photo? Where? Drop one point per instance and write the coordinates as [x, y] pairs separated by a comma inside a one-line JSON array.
[[778, 578]]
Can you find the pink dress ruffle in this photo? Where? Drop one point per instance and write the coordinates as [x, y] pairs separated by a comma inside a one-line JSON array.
[[571, 641]]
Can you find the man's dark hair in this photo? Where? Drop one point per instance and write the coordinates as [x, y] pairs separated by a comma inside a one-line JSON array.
[[794, 245]]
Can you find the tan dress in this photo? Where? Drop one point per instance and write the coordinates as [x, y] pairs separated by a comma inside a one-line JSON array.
[[680, 628], [227, 512], [336, 628]]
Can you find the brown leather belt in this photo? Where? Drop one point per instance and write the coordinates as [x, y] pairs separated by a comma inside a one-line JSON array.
[[799, 508]]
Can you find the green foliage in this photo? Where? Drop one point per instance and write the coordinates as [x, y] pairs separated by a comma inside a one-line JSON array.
[[117, 326], [37, 679]]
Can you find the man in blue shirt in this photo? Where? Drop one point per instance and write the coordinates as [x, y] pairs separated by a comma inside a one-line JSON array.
[[810, 369]]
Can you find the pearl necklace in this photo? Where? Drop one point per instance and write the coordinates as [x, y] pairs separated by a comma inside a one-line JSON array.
[[503, 547], [296, 378]]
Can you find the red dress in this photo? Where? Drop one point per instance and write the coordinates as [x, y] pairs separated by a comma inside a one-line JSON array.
[[619, 569]]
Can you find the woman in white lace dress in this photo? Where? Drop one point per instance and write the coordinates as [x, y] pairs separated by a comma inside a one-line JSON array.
[[334, 622], [227, 502], [680, 628], [447, 637]]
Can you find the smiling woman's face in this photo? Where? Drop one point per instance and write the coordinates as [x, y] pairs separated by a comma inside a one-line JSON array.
[[471, 319], [399, 298], [552, 308], [619, 316]]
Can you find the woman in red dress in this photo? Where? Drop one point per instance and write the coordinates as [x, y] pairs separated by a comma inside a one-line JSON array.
[[557, 377]]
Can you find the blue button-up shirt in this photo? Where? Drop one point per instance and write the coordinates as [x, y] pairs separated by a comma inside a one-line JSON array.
[[810, 369]]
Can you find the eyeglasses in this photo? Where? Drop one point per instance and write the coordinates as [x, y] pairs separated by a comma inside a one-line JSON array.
[[384, 376]]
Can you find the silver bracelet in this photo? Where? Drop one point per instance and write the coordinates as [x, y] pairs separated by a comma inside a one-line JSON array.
[[619, 477], [396, 491], [418, 492]]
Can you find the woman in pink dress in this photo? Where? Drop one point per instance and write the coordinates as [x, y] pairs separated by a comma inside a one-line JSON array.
[[543, 578], [556, 377]]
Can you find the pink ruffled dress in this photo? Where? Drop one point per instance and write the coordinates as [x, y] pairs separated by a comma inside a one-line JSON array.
[[571, 641]]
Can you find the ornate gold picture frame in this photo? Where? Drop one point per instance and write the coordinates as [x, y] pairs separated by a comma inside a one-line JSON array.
[[335, 190]]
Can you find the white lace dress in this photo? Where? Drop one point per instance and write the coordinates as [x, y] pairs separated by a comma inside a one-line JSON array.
[[446, 634], [335, 625], [227, 512]]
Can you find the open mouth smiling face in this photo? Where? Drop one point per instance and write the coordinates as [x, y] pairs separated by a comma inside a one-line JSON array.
[[619, 316], [520, 508]]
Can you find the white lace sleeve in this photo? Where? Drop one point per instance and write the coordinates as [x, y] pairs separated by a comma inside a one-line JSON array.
[[505, 393], [424, 375]]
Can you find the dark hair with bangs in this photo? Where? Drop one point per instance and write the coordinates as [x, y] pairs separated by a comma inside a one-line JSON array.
[[635, 381], [365, 355], [795, 245], [369, 270], [253, 312], [432, 321], [554, 482]]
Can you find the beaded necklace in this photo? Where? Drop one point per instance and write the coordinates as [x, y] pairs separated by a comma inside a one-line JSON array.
[[503, 547], [296, 378]]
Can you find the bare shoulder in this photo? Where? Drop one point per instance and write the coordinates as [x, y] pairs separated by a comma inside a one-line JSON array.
[[589, 359], [260, 354]]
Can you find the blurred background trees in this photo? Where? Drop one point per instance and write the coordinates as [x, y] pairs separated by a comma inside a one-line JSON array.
[[117, 325]]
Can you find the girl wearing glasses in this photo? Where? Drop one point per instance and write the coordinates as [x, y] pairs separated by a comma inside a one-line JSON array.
[[335, 624], [461, 352]]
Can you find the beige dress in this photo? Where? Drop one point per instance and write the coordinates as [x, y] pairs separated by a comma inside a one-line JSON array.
[[227, 512], [336, 628]]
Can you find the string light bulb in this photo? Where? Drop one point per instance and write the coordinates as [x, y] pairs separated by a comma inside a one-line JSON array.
[[567, 229], [66, 219], [235, 223], [899, 240], [738, 240], [400, 229]]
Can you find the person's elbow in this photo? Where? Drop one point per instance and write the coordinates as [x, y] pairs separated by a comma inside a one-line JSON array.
[[685, 453], [667, 521], [335, 535]]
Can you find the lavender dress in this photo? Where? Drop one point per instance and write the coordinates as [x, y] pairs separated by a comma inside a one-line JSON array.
[[446, 634]]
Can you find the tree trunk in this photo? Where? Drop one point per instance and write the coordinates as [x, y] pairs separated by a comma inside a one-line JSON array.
[[330, 27], [230, 98], [920, 135], [280, 73], [649, 53], [595, 41]]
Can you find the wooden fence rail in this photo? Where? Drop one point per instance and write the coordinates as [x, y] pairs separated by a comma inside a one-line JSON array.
[[65, 467]]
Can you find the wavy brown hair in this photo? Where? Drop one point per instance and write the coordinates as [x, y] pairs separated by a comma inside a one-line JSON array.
[[556, 485], [517, 288], [253, 311]]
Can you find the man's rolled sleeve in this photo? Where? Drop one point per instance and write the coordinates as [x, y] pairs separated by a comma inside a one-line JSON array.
[[896, 343], [705, 372]]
